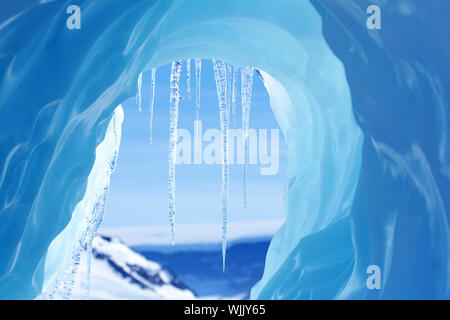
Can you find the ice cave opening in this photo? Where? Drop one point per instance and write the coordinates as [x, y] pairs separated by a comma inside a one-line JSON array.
[[138, 193], [309, 96], [281, 103]]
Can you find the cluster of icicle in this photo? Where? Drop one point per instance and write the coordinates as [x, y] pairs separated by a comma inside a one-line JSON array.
[[226, 77], [64, 284]]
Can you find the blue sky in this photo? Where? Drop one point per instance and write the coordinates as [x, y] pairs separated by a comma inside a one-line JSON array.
[[138, 192]]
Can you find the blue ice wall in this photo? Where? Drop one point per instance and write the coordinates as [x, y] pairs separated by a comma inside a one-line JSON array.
[[400, 81], [350, 205]]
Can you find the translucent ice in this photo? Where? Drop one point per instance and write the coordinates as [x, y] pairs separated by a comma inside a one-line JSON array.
[[139, 95], [220, 75], [246, 92], [152, 103], [198, 80], [364, 115], [188, 77], [233, 94], [173, 138]]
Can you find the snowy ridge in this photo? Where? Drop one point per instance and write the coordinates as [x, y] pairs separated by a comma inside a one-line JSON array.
[[119, 272]]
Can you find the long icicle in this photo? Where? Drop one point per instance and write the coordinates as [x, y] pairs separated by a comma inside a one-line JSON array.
[[140, 91], [173, 137], [152, 103], [229, 86], [246, 92], [198, 80], [233, 95], [188, 77], [220, 75]]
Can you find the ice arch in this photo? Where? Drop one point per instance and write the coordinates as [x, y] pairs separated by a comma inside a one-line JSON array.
[[61, 86]]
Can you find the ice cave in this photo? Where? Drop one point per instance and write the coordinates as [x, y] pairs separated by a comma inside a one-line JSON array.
[[363, 112]]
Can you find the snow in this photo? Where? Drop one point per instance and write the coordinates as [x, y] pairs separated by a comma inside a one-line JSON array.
[[118, 272]]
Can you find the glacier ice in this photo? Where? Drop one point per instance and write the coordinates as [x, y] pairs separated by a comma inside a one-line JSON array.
[[63, 249], [364, 114]]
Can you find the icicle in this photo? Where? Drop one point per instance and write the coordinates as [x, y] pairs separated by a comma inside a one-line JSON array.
[[229, 85], [88, 267], [98, 209], [246, 92], [140, 91], [152, 103], [70, 278], [220, 74], [174, 102], [188, 76], [198, 78], [233, 95]]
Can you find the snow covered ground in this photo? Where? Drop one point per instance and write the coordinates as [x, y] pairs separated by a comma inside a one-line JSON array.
[[134, 263], [118, 272], [200, 244]]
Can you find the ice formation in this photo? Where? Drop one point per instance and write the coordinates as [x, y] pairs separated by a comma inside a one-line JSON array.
[[188, 77], [364, 114], [246, 92], [83, 227], [139, 94], [198, 80], [220, 74], [173, 138], [152, 103], [233, 95]]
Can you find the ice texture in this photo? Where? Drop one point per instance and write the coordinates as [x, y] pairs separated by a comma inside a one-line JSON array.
[[246, 93], [188, 77], [198, 83], [139, 94], [233, 95], [221, 77], [364, 115], [78, 235], [152, 103], [173, 138]]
